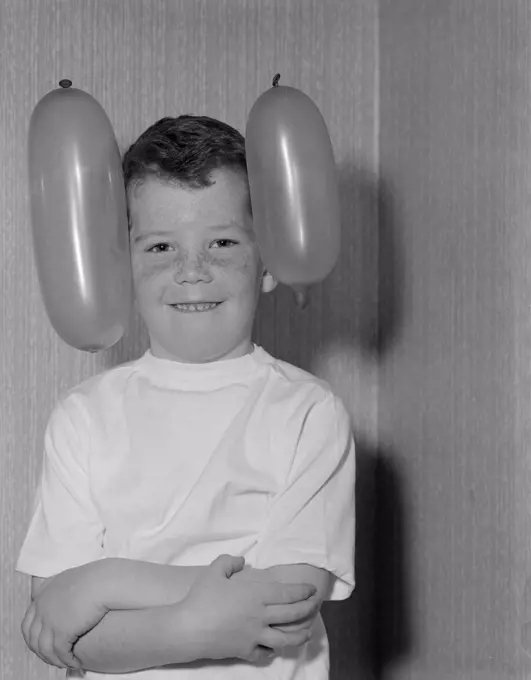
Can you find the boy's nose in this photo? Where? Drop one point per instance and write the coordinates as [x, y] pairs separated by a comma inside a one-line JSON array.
[[191, 270]]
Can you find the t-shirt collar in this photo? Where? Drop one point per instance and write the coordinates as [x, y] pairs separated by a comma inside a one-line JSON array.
[[175, 373]]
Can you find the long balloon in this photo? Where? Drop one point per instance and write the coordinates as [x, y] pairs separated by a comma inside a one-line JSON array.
[[79, 219], [293, 185]]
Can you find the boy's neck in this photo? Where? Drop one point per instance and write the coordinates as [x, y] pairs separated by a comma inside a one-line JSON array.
[[246, 347]]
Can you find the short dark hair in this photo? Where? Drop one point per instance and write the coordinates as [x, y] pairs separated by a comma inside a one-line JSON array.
[[185, 150]]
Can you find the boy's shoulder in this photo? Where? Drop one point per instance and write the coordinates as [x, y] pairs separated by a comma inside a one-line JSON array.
[[295, 393], [100, 387], [295, 374], [299, 379]]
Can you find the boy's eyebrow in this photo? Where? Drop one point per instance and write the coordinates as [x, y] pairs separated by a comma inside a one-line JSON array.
[[156, 234], [144, 237]]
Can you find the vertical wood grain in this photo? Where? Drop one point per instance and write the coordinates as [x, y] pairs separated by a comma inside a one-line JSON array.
[[144, 59], [454, 388]]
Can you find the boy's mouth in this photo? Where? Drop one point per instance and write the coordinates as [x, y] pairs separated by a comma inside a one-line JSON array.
[[196, 306]]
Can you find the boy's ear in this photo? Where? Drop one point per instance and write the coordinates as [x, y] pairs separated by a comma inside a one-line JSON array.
[[268, 282]]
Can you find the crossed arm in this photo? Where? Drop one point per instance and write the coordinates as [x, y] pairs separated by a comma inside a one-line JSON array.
[[138, 628]]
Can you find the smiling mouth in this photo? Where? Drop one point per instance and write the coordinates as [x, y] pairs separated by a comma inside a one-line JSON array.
[[189, 307]]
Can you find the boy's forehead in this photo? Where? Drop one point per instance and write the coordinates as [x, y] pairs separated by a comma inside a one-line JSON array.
[[224, 203]]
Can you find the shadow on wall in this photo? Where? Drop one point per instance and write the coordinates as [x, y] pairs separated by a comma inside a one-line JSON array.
[[372, 630], [358, 309], [393, 634]]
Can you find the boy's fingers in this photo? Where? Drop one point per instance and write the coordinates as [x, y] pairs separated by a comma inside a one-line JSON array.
[[26, 623], [33, 636], [295, 627], [228, 564], [33, 640], [47, 648], [288, 593], [278, 614], [262, 655], [64, 652], [278, 641]]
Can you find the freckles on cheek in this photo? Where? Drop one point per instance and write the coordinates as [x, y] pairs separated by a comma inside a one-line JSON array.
[[241, 262], [145, 269]]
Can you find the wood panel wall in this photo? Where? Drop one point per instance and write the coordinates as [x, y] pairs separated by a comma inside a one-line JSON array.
[[454, 384]]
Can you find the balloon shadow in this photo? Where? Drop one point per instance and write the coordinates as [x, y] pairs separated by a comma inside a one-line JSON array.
[[363, 297], [390, 270], [351, 294]]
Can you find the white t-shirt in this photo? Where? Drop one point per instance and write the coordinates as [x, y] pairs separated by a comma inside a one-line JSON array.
[[178, 463]]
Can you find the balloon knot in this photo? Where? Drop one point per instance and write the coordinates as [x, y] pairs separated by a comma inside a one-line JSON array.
[[276, 79], [65, 83]]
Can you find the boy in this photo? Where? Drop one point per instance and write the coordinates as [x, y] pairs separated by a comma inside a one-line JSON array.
[[205, 446]]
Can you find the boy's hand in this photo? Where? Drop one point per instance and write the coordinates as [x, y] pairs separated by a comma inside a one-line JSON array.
[[64, 609], [234, 618], [252, 575]]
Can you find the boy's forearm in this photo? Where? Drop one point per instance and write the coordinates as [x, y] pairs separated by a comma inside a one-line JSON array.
[[134, 584], [128, 641]]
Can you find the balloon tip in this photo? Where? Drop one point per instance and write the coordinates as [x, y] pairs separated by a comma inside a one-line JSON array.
[[301, 297], [90, 349], [65, 83], [276, 79]]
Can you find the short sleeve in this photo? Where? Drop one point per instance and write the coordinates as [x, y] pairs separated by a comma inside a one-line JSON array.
[[312, 520], [65, 530]]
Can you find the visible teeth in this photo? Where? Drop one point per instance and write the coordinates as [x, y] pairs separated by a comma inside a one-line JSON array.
[[203, 307]]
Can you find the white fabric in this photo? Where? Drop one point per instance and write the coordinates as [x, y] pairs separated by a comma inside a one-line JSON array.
[[177, 463]]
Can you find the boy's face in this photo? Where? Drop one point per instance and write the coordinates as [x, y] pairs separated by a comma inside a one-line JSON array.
[[196, 246]]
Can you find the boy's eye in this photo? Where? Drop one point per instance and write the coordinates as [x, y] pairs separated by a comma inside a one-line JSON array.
[[225, 241], [159, 248]]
